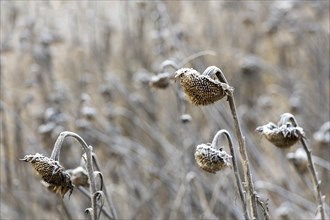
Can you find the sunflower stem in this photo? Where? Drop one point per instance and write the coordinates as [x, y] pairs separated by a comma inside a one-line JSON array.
[[316, 182], [241, 142], [242, 193], [89, 163]]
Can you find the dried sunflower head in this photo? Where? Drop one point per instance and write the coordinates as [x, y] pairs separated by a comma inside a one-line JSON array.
[[211, 159], [283, 136], [201, 89], [51, 172]]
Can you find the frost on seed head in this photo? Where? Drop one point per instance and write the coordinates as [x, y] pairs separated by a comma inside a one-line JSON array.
[[211, 159], [283, 136], [201, 89], [52, 172]]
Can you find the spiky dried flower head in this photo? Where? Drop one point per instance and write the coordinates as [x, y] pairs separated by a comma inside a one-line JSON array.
[[51, 172], [299, 160], [283, 136], [201, 89], [211, 159]]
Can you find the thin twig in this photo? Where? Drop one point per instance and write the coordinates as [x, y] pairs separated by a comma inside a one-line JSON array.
[[264, 207], [86, 193], [108, 198]]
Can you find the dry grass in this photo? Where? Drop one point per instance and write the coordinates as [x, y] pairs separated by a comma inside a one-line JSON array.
[[89, 67]]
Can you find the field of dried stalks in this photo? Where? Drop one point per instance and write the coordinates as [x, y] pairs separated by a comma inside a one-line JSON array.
[[100, 69]]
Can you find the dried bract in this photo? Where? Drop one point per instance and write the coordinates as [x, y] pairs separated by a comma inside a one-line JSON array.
[[201, 89], [211, 159], [51, 172], [283, 136]]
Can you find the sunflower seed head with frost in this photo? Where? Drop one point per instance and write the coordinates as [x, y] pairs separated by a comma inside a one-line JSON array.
[[211, 159], [201, 89], [51, 172], [283, 136]]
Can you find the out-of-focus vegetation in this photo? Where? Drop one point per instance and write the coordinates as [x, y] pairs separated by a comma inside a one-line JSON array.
[[87, 67]]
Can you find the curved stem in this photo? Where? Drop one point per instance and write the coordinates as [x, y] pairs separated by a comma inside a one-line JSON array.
[[89, 165], [169, 63], [196, 55], [86, 193], [316, 182], [176, 66], [242, 149], [108, 198], [238, 179]]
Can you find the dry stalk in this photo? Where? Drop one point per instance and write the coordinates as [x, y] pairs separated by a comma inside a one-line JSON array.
[[93, 211], [237, 176], [287, 117], [89, 165], [241, 140], [202, 89], [60, 181]]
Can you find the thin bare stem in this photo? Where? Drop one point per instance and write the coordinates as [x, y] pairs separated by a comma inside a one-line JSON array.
[[242, 149], [316, 182], [89, 165], [196, 55], [86, 193], [264, 207], [237, 176], [176, 66], [108, 198]]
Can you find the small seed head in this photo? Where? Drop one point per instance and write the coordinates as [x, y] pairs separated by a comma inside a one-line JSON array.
[[211, 159], [51, 172], [283, 136], [201, 89]]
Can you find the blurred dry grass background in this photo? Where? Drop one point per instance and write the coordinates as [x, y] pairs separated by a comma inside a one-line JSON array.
[[84, 66]]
